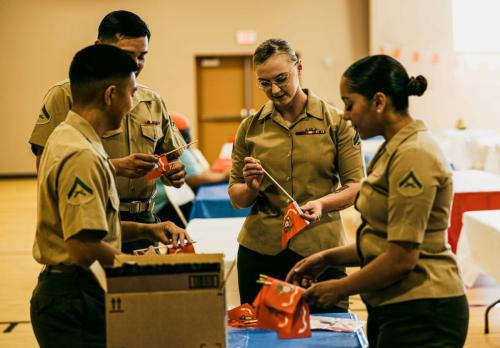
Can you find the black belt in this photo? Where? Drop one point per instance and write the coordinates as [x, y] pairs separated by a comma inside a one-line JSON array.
[[62, 268]]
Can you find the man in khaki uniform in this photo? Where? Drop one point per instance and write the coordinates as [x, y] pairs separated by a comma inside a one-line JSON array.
[[78, 205], [145, 131]]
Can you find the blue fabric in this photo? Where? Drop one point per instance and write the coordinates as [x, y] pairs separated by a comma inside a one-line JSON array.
[[191, 164], [257, 338], [192, 167], [212, 201]]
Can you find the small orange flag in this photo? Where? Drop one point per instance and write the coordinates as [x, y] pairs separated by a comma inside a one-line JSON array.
[[292, 223], [161, 168], [242, 316], [279, 306]]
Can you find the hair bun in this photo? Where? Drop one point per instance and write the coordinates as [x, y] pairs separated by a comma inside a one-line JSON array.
[[417, 85]]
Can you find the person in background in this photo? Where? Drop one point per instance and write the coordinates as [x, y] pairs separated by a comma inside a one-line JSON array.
[[145, 132], [197, 173], [409, 279], [311, 151], [78, 217], [194, 160]]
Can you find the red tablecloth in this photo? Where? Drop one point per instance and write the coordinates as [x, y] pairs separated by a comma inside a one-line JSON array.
[[469, 201], [221, 165], [474, 190]]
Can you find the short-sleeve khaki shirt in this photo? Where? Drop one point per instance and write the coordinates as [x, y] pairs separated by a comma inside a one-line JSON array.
[[309, 159], [147, 128], [76, 191], [406, 197]]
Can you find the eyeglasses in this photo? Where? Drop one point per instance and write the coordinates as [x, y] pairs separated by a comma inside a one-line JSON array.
[[281, 81]]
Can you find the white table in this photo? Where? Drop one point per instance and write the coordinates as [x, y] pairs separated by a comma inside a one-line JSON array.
[[219, 236], [478, 248], [475, 181], [473, 190], [468, 148]]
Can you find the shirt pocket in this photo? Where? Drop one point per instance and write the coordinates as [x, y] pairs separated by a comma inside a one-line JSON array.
[[314, 157], [152, 132]]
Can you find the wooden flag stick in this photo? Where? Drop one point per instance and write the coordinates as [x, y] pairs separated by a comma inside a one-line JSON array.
[[279, 186], [180, 148]]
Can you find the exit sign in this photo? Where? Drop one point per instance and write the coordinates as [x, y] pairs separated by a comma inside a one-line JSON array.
[[246, 37]]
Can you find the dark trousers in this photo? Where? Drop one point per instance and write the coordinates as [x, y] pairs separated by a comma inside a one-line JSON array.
[[420, 323], [168, 213], [67, 310], [144, 217], [251, 264]]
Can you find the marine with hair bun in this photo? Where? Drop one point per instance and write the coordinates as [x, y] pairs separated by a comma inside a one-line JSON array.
[[409, 279]]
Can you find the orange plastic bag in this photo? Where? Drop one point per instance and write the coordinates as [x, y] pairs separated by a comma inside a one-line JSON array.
[[279, 306]]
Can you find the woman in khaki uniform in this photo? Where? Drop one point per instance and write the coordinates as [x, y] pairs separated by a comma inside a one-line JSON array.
[[409, 278], [310, 150]]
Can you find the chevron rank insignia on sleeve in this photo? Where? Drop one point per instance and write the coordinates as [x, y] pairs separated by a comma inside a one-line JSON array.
[[80, 192], [410, 185]]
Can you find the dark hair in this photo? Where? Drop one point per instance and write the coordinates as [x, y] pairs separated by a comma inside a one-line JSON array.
[[381, 73], [271, 47], [94, 68], [122, 23], [186, 135]]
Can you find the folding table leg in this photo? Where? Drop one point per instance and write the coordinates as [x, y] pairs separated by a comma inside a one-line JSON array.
[[486, 324]]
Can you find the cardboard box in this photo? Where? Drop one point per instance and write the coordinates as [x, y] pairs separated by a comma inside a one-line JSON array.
[[165, 301]]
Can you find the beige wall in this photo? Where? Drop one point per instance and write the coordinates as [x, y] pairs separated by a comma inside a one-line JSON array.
[[461, 85], [40, 37]]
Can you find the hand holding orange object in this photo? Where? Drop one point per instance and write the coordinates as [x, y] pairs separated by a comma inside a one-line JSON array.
[[160, 168], [279, 306], [188, 248], [292, 223]]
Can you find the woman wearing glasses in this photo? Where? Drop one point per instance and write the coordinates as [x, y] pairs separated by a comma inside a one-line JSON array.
[[314, 154]]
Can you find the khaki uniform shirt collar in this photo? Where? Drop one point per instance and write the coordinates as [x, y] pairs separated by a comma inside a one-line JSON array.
[[84, 127], [403, 134], [140, 95], [313, 108]]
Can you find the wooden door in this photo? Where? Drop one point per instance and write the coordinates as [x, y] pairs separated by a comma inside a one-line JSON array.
[[227, 93]]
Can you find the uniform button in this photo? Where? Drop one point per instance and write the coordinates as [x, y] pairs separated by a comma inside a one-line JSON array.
[[289, 134], [287, 178], [289, 154]]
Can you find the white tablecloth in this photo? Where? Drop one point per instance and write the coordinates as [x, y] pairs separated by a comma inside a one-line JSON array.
[[470, 148], [475, 181], [219, 236], [216, 236], [478, 250]]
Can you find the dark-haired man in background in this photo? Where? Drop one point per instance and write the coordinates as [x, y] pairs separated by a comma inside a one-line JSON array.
[[78, 219], [145, 131]]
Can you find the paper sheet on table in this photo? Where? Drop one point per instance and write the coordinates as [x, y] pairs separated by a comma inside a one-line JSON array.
[[336, 324]]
